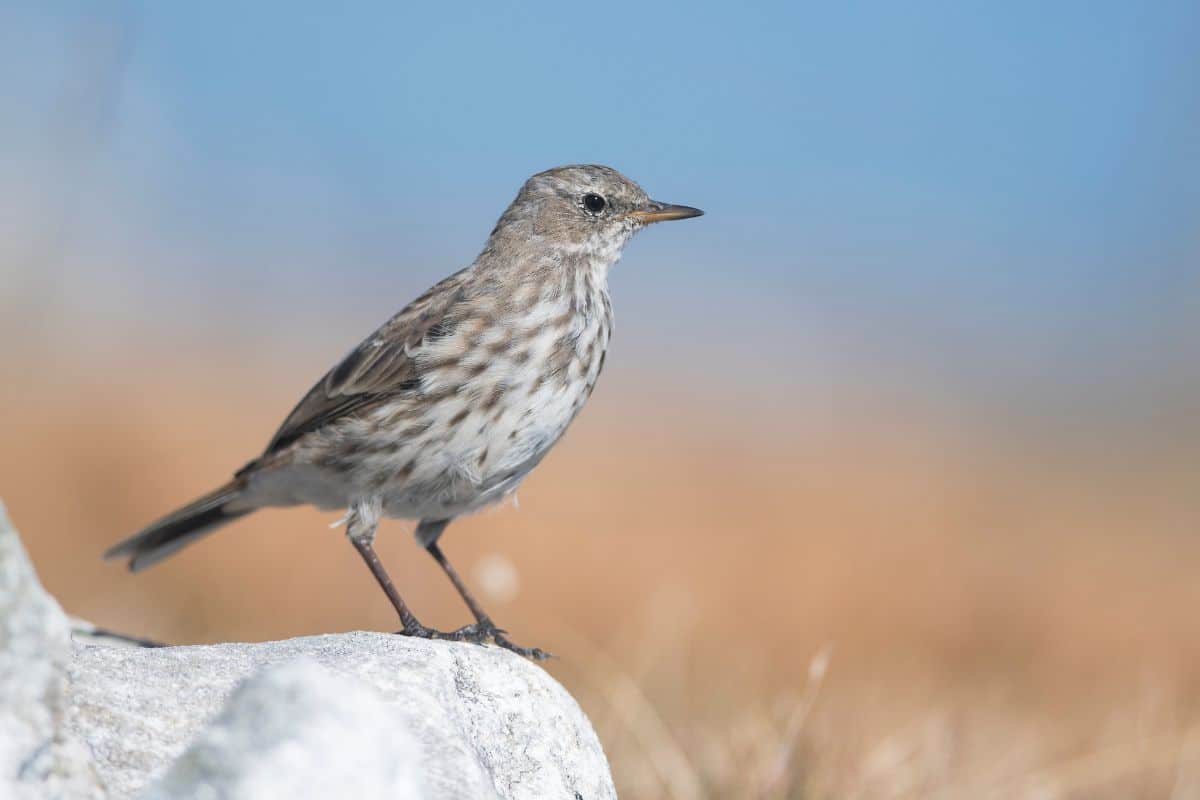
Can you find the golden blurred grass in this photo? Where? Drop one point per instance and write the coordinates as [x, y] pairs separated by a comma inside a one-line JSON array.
[[749, 599]]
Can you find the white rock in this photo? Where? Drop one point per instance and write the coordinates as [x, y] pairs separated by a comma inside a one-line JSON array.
[[486, 723], [359, 715], [284, 722], [36, 758]]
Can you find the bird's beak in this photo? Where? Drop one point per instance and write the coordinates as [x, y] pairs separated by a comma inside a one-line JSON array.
[[655, 211]]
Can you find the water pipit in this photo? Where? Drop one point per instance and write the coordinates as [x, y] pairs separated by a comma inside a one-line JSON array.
[[452, 402]]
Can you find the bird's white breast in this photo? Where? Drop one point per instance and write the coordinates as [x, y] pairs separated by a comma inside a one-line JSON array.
[[510, 410]]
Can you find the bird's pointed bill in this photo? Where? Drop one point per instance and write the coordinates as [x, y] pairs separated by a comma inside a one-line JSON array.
[[663, 212]]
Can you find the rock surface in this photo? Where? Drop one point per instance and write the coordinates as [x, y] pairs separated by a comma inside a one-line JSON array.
[[353, 715], [37, 758], [485, 722], [264, 743]]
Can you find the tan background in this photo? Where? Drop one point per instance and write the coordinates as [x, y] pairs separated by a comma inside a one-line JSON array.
[[995, 611]]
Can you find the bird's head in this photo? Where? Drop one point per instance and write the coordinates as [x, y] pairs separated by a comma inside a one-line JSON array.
[[586, 208]]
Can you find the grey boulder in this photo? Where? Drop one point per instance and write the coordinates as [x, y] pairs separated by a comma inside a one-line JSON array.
[[362, 715], [37, 756]]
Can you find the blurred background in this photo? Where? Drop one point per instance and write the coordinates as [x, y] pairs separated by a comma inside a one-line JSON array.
[[890, 488]]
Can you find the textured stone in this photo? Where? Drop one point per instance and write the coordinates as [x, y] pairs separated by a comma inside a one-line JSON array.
[[283, 722], [485, 722], [362, 715], [36, 758]]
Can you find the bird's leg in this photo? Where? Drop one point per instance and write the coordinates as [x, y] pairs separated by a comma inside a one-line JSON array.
[[484, 630], [477, 611], [411, 626], [361, 525]]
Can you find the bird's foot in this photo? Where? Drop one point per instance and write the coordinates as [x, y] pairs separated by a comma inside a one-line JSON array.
[[484, 632]]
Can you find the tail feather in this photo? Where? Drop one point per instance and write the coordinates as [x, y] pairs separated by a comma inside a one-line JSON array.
[[179, 529]]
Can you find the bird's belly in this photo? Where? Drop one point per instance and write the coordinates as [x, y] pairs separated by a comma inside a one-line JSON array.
[[486, 457], [475, 443]]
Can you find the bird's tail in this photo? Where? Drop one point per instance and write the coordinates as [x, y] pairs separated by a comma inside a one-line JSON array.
[[181, 528]]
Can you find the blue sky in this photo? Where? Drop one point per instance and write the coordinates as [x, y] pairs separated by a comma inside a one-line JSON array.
[[1009, 187]]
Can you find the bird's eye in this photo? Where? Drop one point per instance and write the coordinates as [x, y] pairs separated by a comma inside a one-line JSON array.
[[594, 203]]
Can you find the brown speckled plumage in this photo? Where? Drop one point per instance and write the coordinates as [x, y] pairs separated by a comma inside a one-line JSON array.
[[454, 400]]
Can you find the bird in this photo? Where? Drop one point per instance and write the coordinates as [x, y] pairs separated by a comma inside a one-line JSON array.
[[453, 401]]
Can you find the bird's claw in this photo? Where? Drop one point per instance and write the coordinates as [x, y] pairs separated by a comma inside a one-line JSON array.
[[481, 633]]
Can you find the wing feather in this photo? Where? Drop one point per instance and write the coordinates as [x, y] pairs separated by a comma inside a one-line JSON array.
[[378, 369]]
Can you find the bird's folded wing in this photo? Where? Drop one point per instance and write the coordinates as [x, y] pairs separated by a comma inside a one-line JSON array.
[[380, 367]]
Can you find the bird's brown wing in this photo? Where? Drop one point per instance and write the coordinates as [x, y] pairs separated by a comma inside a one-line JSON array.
[[379, 368]]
